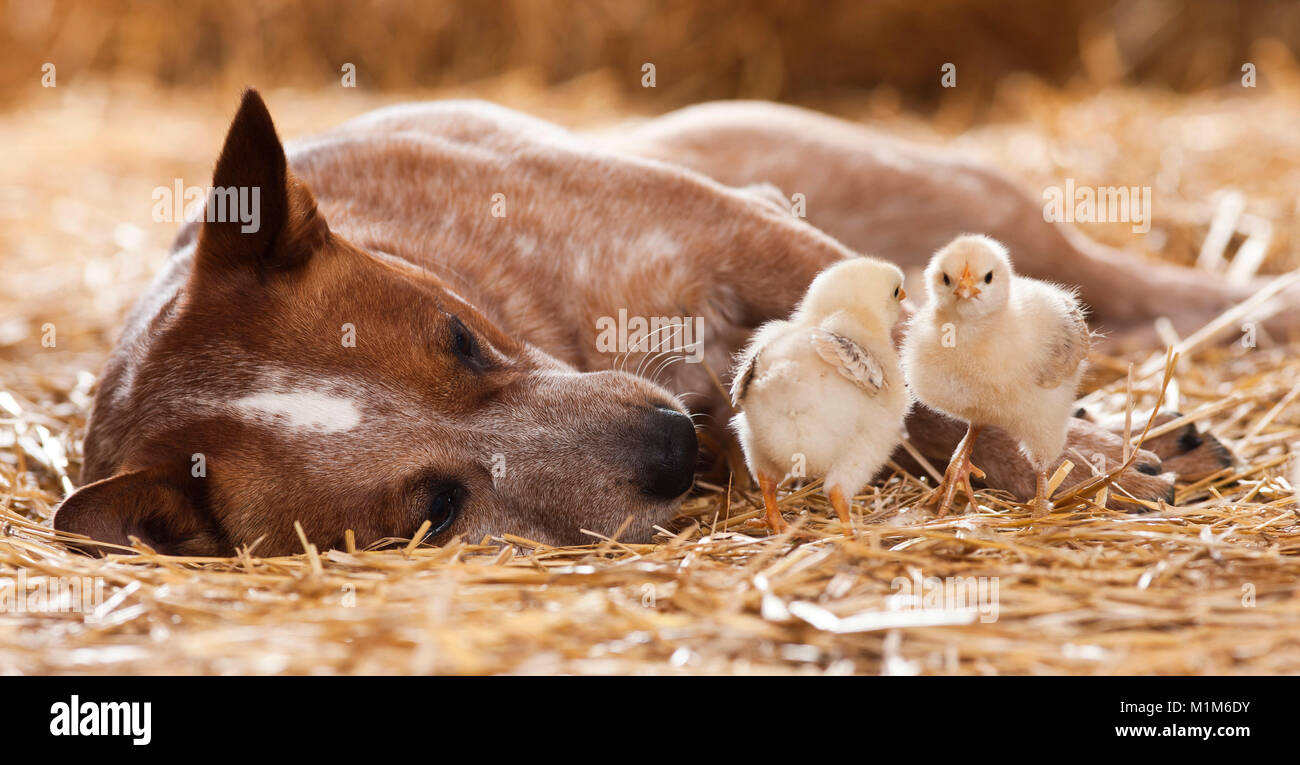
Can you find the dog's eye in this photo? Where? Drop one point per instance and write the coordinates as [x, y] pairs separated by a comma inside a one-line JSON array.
[[463, 344], [446, 498], [946, 280], [988, 277]]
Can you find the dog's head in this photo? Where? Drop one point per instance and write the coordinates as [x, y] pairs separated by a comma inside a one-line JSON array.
[[295, 377]]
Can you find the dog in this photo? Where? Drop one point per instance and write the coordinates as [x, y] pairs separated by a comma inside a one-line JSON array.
[[406, 337]]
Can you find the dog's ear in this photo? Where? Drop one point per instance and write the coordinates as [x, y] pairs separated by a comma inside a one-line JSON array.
[[258, 217], [153, 505]]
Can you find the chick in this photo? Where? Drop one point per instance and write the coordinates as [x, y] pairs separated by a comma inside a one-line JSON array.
[[823, 390], [996, 349]]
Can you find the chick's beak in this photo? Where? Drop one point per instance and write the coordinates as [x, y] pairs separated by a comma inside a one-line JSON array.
[[902, 294], [966, 284]]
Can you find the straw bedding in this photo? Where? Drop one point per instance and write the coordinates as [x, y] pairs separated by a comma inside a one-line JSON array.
[[1209, 586]]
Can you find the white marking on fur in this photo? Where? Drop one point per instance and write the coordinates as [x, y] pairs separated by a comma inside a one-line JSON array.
[[659, 243], [303, 410], [525, 244]]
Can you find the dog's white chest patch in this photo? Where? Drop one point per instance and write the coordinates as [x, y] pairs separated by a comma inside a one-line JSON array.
[[302, 410]]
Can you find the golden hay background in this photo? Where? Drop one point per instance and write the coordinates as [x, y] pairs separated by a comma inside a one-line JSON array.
[[1137, 93], [770, 49]]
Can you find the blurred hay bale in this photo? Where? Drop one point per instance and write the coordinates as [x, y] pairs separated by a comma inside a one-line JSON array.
[[702, 50]]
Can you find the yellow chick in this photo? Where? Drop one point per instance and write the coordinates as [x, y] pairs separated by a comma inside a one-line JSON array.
[[996, 349], [822, 392]]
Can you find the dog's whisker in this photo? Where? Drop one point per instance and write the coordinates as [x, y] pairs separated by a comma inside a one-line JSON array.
[[696, 417], [657, 346], [664, 366], [652, 359], [658, 358]]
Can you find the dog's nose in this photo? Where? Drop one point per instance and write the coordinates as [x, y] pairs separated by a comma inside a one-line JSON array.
[[665, 466]]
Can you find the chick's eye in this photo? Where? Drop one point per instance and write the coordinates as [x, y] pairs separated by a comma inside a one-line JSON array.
[[895, 292], [446, 499], [988, 277], [946, 280]]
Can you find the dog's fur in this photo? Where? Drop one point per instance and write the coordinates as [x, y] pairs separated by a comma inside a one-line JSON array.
[[231, 407]]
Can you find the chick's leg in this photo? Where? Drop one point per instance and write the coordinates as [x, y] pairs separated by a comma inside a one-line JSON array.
[[841, 505], [1042, 506], [774, 520], [958, 473]]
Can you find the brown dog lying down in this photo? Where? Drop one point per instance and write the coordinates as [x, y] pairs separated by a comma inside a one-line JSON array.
[[415, 327]]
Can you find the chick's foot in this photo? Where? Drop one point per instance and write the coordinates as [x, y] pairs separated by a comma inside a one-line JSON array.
[[958, 474]]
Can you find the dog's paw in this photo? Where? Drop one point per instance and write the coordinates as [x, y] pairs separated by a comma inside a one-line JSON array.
[[1095, 450], [1092, 450], [1187, 452]]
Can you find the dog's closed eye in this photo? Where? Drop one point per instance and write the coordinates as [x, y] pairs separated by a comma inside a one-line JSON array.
[[465, 347]]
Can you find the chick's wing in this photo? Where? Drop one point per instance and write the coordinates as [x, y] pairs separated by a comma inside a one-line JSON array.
[[741, 378], [1067, 341], [849, 359]]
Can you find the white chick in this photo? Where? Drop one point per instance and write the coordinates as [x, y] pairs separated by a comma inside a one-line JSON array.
[[823, 390], [996, 349]]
